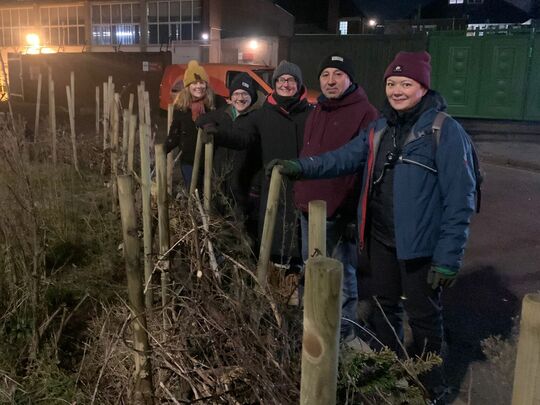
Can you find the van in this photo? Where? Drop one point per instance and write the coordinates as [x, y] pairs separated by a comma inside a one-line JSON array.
[[221, 76]]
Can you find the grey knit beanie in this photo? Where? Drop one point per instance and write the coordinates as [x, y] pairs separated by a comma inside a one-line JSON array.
[[287, 68]]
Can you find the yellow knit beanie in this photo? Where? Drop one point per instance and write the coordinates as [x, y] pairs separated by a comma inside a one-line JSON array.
[[194, 73]]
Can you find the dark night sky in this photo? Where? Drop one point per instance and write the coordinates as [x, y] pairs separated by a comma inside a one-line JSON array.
[[390, 9]]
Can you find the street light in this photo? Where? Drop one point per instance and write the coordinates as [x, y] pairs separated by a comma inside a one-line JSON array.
[[32, 40], [372, 22], [205, 36], [253, 44]]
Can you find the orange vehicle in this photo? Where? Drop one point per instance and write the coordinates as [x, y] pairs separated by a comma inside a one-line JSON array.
[[221, 76]]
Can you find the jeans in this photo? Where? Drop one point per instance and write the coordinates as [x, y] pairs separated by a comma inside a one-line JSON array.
[[341, 247]]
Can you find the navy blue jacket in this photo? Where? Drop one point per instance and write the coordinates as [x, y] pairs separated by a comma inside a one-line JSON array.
[[434, 186]]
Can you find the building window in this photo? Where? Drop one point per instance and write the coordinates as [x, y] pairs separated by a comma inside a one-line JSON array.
[[173, 20], [62, 25], [343, 26], [475, 1], [14, 25], [455, 1], [116, 24]]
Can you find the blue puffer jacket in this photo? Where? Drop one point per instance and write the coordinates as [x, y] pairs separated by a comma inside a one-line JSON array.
[[434, 186]]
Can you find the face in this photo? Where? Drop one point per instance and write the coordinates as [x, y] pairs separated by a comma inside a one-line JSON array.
[[286, 86], [403, 93], [240, 99], [334, 82], [197, 90]]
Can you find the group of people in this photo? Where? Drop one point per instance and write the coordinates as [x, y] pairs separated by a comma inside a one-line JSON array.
[[399, 183]]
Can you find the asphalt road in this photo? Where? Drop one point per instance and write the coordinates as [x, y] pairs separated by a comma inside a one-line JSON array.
[[502, 264]]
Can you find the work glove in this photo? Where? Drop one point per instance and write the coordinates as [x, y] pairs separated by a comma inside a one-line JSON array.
[[289, 168], [210, 130], [207, 118], [440, 276]]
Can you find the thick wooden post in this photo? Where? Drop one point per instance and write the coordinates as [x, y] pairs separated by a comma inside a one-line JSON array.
[[71, 110], [125, 137], [72, 88], [97, 110], [320, 343], [527, 372], [208, 169], [196, 163], [143, 368], [170, 156], [147, 213], [317, 228], [270, 216], [163, 221], [38, 105], [131, 141], [114, 149]]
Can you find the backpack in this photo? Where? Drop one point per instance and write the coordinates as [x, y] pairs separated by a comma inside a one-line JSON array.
[[436, 127]]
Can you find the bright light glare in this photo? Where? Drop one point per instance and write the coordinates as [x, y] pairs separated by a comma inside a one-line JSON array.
[[205, 36], [253, 44], [32, 40], [372, 23]]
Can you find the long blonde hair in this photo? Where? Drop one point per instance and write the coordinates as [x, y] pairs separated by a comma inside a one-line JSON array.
[[184, 99]]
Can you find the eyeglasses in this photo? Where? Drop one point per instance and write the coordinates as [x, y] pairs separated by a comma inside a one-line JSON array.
[[391, 158], [289, 80]]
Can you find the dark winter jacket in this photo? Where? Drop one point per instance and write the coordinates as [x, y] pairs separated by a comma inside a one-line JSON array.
[[332, 124], [238, 170], [279, 132], [183, 133], [434, 187]]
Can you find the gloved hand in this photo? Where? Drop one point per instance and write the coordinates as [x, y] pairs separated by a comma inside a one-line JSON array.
[[440, 276], [205, 119], [210, 130], [289, 168]]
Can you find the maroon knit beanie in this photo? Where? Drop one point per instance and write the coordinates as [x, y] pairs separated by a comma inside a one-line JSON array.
[[414, 65]]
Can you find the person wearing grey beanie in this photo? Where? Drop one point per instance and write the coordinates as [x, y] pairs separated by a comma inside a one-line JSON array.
[[287, 68]]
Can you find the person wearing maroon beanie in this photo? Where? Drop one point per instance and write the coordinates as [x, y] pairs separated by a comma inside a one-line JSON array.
[[417, 199]]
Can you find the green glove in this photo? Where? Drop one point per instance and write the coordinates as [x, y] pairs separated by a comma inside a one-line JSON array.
[[289, 168], [440, 276]]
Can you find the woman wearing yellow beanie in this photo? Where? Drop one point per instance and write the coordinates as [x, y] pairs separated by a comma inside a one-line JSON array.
[[195, 99]]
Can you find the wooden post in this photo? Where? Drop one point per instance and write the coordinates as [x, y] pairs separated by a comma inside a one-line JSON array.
[[320, 343], [143, 368], [105, 115], [147, 120], [71, 110], [131, 141], [97, 110], [125, 139], [170, 156], [6, 81], [72, 83], [147, 214], [38, 106], [196, 163], [317, 228], [163, 222], [527, 372], [208, 168], [270, 216], [140, 103], [114, 150], [52, 116], [130, 105]]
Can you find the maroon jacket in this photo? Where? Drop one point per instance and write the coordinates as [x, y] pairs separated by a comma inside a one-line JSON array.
[[332, 124]]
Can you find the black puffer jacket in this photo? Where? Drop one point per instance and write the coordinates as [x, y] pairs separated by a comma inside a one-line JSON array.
[[183, 133], [279, 132]]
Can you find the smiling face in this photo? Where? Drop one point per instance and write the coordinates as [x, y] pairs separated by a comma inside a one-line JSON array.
[[334, 82], [403, 93], [286, 86], [197, 90], [240, 99]]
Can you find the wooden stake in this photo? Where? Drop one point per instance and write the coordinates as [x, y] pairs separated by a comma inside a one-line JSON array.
[[97, 110], [131, 141], [125, 139], [130, 105], [196, 164], [147, 119], [208, 168], [527, 371], [105, 115], [6, 81], [71, 110], [72, 82], [114, 150], [163, 223], [38, 106], [140, 103], [147, 213], [143, 368], [52, 109], [170, 156], [320, 343], [317, 228], [272, 206]]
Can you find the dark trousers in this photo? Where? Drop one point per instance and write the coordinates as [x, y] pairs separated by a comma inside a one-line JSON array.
[[402, 284]]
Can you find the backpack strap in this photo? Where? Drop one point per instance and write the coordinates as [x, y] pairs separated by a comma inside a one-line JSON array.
[[437, 125]]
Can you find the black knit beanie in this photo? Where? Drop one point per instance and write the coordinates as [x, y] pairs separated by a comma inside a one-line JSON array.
[[243, 82], [340, 62]]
